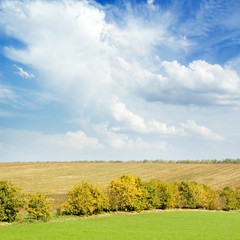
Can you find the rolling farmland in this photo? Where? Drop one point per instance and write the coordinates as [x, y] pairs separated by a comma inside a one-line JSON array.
[[56, 178]]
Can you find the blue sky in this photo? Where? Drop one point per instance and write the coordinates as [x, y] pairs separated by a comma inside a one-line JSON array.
[[119, 80]]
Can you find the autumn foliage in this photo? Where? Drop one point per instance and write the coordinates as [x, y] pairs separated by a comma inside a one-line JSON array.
[[129, 193], [38, 206], [126, 193], [10, 201], [86, 199]]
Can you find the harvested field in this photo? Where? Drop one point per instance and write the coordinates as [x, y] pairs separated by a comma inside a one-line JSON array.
[[56, 178]]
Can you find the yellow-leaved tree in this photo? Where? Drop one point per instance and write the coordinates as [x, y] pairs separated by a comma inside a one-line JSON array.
[[86, 199], [38, 206], [127, 193]]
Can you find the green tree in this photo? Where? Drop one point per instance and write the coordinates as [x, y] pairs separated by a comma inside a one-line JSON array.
[[188, 194], [86, 199], [38, 206], [153, 198], [161, 194], [231, 198], [195, 195], [206, 197], [10, 201]]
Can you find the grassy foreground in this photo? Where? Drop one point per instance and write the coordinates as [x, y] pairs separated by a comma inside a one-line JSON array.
[[168, 225]]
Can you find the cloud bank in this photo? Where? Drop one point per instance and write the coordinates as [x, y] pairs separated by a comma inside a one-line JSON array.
[[111, 66]]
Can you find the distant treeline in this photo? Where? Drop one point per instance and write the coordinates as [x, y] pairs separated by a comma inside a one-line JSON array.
[[227, 160]]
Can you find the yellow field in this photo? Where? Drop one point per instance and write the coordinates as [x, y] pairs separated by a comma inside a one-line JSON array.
[[57, 177]]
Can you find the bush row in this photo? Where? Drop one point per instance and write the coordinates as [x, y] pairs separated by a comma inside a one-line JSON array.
[[12, 201], [126, 193], [129, 193]]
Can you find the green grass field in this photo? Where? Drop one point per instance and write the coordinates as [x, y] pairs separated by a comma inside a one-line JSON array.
[[166, 225]]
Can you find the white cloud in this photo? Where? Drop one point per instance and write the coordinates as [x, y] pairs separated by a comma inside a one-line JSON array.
[[134, 122], [80, 54], [201, 76], [78, 140], [137, 123], [23, 73], [35, 146], [78, 39], [19, 145], [120, 145], [75, 140], [73, 45], [199, 83], [77, 52], [87, 59], [122, 114], [191, 127], [150, 2], [234, 64], [111, 138]]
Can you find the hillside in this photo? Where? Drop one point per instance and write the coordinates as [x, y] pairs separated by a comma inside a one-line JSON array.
[[57, 177]]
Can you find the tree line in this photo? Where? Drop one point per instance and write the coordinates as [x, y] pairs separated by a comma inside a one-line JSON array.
[[203, 161], [126, 193]]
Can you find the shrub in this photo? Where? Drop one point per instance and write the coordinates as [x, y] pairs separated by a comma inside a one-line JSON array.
[[38, 207], [10, 201], [195, 195], [127, 193], [161, 194], [86, 199], [59, 212], [178, 200], [231, 198], [206, 197], [188, 194], [153, 199]]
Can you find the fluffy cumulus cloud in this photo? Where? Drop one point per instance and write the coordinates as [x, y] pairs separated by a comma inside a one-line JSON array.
[[111, 67], [199, 83]]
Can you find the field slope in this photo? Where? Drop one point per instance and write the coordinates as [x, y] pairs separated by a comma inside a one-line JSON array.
[[168, 225], [56, 178]]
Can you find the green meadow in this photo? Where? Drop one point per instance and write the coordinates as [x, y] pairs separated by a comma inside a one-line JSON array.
[[164, 225]]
